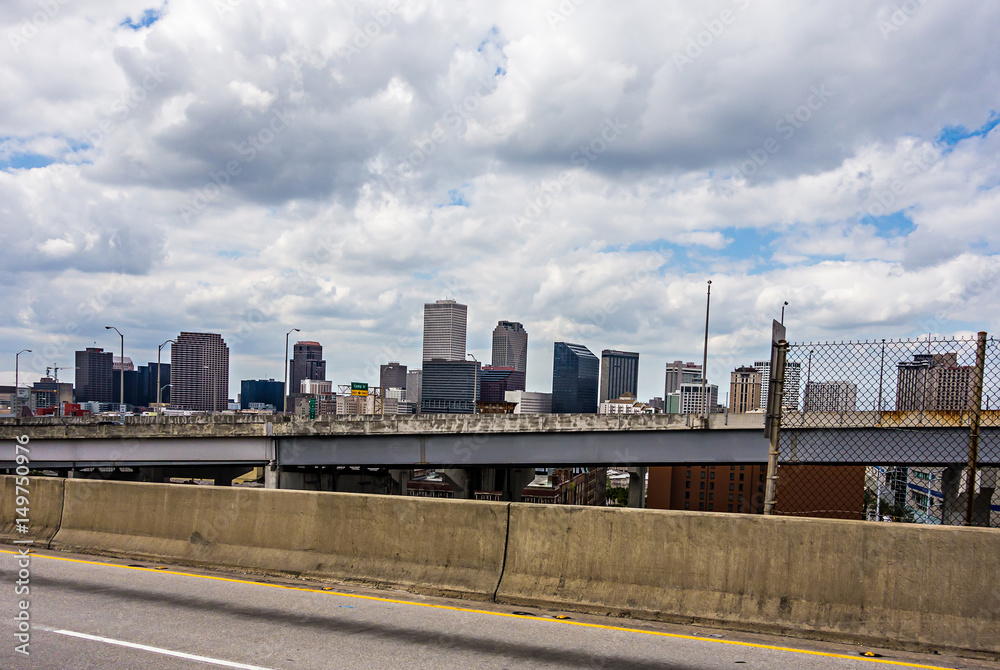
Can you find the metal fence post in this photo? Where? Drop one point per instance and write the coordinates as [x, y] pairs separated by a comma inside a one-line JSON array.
[[977, 402], [777, 391]]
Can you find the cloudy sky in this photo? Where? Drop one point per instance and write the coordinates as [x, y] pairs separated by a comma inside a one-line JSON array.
[[584, 167]]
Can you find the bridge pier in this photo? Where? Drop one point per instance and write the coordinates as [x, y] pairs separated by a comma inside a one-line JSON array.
[[637, 487]]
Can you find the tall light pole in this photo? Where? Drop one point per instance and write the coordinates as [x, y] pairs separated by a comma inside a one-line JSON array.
[[121, 403], [159, 409], [704, 363], [293, 330], [17, 381]]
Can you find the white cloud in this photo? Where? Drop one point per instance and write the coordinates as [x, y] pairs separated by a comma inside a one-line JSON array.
[[470, 154]]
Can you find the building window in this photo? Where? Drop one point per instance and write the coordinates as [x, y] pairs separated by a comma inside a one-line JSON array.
[[711, 506], [732, 476], [703, 486], [687, 485], [711, 496], [730, 487], [741, 499], [702, 474], [687, 505], [732, 467], [687, 495], [730, 508], [689, 474], [701, 505], [711, 486], [742, 467], [701, 496], [741, 477], [741, 487], [711, 475], [730, 497]]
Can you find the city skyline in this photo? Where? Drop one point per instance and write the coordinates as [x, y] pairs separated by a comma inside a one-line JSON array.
[[586, 188]]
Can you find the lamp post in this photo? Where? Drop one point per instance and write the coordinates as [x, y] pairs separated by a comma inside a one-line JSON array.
[[704, 363], [159, 408], [293, 330], [121, 399], [17, 383], [783, 312]]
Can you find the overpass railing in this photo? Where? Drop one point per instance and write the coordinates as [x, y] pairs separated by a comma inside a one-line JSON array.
[[891, 430]]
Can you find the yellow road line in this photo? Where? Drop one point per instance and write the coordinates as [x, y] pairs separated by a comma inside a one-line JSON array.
[[503, 614]]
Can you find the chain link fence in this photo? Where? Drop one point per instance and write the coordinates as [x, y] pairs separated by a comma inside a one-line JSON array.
[[890, 430]]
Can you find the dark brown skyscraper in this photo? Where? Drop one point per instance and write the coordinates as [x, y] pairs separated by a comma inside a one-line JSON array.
[[307, 363], [510, 346], [392, 376], [199, 372], [93, 375]]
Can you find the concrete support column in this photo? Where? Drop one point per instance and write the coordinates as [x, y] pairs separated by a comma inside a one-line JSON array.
[[291, 480], [459, 480], [400, 478], [517, 479], [637, 487], [952, 503], [271, 477]]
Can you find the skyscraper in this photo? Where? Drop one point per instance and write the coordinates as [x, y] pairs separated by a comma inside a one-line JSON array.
[[414, 386], [306, 363], [575, 371], [93, 375], [790, 396], [619, 374], [744, 390], [510, 346], [262, 392], [831, 397], [392, 376], [199, 369], [496, 381], [450, 387], [679, 373], [933, 382], [445, 324]]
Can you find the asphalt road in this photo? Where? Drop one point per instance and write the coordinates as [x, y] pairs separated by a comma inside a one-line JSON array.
[[89, 612]]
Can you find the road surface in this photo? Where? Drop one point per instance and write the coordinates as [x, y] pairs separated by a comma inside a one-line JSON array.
[[91, 612]]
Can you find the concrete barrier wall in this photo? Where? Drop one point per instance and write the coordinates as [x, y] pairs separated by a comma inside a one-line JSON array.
[[45, 498], [432, 546], [847, 580]]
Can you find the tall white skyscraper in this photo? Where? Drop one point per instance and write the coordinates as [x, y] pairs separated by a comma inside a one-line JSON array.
[[444, 330], [793, 374]]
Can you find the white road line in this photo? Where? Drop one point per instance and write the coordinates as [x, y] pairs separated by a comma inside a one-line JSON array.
[[155, 650]]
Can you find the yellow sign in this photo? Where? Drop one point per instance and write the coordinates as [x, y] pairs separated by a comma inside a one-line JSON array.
[[359, 392]]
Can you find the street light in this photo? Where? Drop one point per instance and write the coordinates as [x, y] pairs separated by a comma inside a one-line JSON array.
[[783, 312], [293, 330], [17, 395], [121, 399], [704, 363], [158, 387]]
